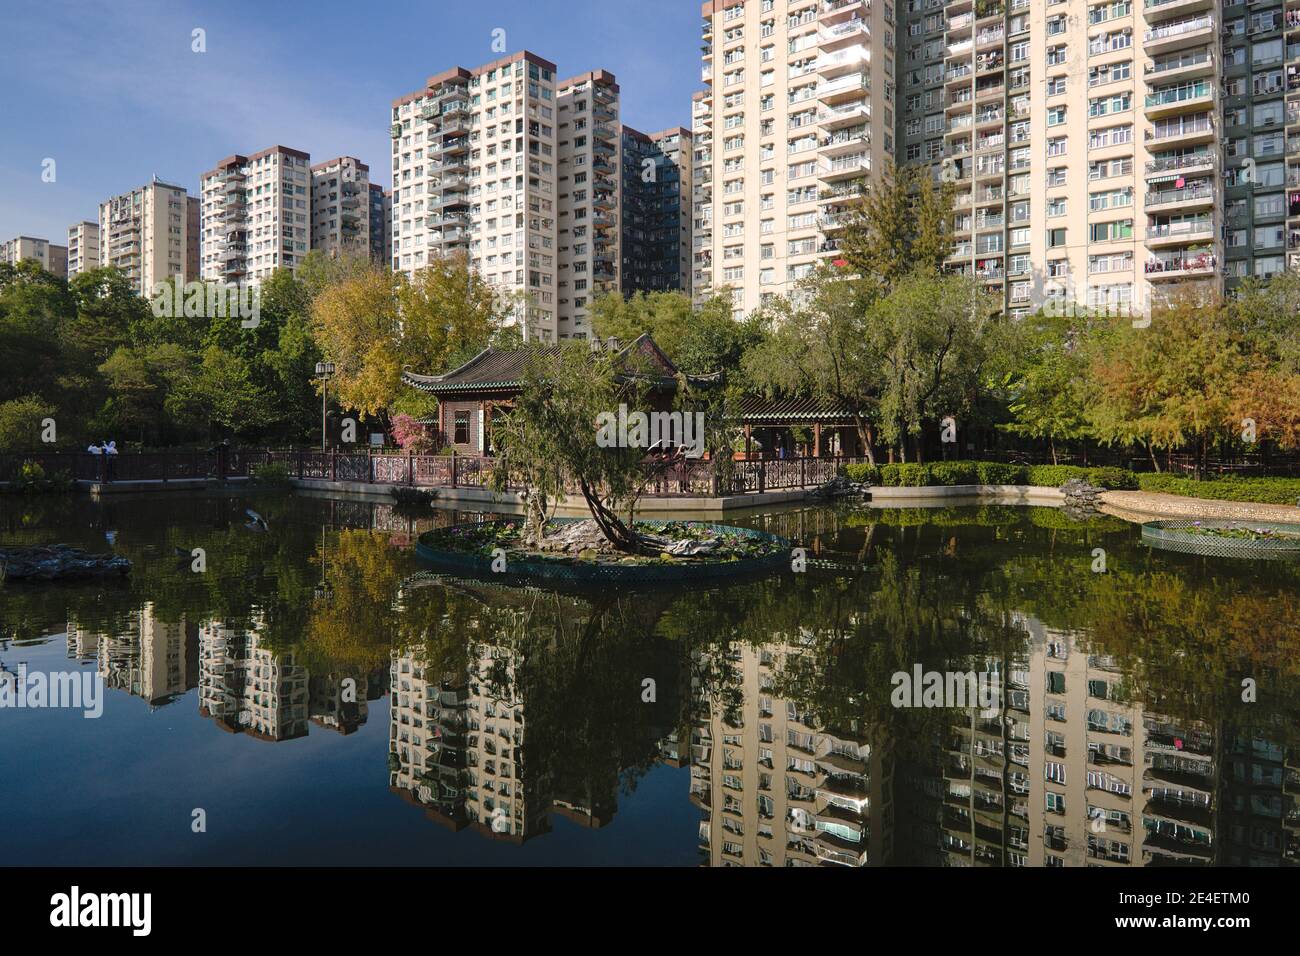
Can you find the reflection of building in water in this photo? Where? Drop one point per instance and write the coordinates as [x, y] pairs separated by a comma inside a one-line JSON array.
[[1066, 772], [459, 746], [529, 728], [336, 704], [776, 788], [427, 741], [150, 658], [1260, 817], [245, 687]]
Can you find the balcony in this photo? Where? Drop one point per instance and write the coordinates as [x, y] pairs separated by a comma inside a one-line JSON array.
[[843, 61], [1178, 35], [836, 11], [846, 115], [1180, 266], [843, 89], [850, 31], [1189, 161], [1159, 8], [1188, 65], [846, 167], [1199, 229], [1182, 131], [1184, 98], [1196, 196], [845, 142]]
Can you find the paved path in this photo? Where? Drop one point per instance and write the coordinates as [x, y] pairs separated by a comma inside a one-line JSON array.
[[1145, 505]]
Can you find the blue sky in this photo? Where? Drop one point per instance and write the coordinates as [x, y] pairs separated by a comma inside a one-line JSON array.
[[113, 93]]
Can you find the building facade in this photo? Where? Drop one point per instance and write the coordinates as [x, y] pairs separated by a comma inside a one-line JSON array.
[[378, 213], [83, 247], [256, 215], [1102, 152], [145, 234], [797, 111], [474, 174], [53, 258], [657, 210], [590, 198], [340, 207]]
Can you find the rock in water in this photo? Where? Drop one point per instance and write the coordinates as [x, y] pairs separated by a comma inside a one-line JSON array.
[[58, 562]]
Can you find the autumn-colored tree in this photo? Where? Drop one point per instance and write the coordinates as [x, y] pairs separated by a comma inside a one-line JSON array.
[[1169, 384]]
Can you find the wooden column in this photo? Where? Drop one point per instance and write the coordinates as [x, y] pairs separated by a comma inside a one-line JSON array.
[[817, 439]]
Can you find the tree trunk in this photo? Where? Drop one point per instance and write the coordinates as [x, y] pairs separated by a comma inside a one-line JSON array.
[[1155, 462], [1051, 443]]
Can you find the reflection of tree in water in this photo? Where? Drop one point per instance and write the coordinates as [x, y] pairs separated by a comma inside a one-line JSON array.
[[946, 589], [565, 675]]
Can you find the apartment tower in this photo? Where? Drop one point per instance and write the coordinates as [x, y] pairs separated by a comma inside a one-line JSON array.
[[590, 191], [475, 173], [144, 234], [52, 258], [798, 109], [256, 215], [340, 207], [83, 247], [657, 210]]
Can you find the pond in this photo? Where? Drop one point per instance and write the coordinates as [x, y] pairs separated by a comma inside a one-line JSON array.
[[304, 692]]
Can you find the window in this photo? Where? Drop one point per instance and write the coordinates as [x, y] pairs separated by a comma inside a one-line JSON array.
[[460, 435]]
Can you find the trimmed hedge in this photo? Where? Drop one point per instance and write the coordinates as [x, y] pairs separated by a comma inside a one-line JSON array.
[[1274, 491], [914, 475]]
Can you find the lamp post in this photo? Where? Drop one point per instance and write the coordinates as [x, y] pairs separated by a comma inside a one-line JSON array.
[[323, 371]]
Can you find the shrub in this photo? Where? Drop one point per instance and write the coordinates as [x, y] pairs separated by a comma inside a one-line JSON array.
[[1053, 476], [1116, 478], [864, 473], [900, 475], [997, 473], [951, 473], [273, 474], [32, 479], [1277, 491]]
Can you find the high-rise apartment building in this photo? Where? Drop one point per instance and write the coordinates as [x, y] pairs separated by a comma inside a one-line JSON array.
[[378, 224], [83, 247], [474, 173], [1102, 152], [798, 109], [51, 257], [657, 210], [145, 234], [590, 203], [340, 207], [193, 237], [256, 215]]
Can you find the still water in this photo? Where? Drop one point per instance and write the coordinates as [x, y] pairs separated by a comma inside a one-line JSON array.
[[313, 696]]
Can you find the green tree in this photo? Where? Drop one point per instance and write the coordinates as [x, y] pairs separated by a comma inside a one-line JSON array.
[[1048, 389], [1169, 384], [818, 345], [933, 339], [20, 422], [548, 443], [899, 223]]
